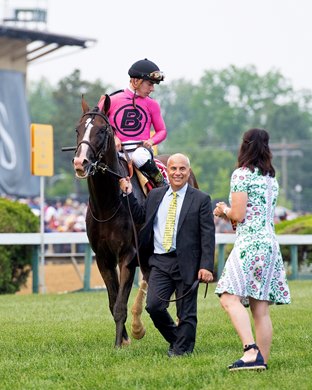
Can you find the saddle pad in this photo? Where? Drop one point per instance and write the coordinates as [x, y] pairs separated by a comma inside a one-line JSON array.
[[143, 180], [162, 168]]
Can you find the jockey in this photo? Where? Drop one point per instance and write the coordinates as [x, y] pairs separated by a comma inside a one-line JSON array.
[[132, 113]]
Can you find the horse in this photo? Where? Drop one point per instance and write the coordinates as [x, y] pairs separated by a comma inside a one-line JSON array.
[[110, 228]]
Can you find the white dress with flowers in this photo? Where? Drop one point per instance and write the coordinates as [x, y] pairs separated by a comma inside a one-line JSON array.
[[255, 266]]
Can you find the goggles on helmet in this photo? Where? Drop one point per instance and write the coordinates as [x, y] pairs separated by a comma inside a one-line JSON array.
[[156, 76]]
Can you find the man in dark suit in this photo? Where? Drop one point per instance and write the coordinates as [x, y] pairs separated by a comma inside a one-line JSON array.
[[190, 257]]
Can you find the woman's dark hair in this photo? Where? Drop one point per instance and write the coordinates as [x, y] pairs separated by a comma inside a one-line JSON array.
[[255, 152]]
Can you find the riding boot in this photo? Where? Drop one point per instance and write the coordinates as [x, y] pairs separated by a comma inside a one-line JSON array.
[[151, 170]]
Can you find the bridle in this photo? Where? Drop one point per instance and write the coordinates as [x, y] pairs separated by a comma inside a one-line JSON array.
[[98, 165]]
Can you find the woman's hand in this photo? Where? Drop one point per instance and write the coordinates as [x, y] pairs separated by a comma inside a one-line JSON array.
[[219, 210]]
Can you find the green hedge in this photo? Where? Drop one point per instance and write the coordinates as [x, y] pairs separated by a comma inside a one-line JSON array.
[[300, 225], [15, 260]]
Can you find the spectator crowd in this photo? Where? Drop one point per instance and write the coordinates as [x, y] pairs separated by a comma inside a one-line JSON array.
[[69, 215], [59, 216]]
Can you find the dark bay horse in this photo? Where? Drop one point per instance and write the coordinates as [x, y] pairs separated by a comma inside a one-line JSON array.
[[109, 225]]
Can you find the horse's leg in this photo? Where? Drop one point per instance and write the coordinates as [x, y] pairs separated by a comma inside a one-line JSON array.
[[137, 326], [111, 280], [121, 305]]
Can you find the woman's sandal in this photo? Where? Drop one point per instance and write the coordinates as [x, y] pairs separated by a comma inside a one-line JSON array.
[[258, 364]]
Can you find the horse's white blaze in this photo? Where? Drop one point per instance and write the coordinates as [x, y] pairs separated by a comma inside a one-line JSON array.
[[86, 137], [78, 160]]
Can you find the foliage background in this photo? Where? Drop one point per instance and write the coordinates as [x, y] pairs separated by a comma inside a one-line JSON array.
[[300, 225], [204, 120], [15, 260]]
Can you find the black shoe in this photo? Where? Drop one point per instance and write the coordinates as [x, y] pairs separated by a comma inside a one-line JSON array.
[[172, 353], [258, 364], [158, 180], [150, 169], [170, 350]]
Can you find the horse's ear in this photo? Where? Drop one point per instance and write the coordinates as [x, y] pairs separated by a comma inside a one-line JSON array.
[[84, 105], [107, 104]]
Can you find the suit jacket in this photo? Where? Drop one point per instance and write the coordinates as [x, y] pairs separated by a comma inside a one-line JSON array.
[[195, 233]]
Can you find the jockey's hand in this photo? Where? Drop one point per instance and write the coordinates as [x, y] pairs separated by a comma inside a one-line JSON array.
[[148, 143], [125, 185], [117, 144], [205, 276]]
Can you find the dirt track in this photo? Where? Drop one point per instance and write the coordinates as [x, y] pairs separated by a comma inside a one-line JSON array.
[[60, 278]]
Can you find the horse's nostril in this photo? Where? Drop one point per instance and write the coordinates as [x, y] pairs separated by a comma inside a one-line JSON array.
[[79, 160]]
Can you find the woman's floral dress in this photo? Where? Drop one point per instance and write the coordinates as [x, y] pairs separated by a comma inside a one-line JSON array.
[[255, 266]]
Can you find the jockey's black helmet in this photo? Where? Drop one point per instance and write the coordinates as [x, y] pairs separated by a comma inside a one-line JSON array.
[[146, 70]]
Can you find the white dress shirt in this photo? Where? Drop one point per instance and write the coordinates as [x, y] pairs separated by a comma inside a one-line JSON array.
[[161, 217]]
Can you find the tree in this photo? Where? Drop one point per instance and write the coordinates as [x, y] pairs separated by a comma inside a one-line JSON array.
[[41, 103], [204, 120], [208, 119]]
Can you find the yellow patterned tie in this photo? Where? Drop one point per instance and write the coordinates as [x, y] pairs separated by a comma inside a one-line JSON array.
[[167, 241]]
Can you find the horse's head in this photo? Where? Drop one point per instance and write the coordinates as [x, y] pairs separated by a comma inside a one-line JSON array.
[[95, 137]]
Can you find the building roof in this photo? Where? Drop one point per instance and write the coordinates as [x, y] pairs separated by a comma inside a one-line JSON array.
[[46, 42]]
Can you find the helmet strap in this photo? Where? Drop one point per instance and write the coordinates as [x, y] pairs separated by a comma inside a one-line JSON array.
[[133, 99], [135, 84]]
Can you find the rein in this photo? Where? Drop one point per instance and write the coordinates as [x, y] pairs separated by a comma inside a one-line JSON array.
[[103, 220], [190, 291], [103, 168]]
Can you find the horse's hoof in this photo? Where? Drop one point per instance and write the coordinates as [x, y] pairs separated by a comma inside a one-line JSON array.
[[138, 333]]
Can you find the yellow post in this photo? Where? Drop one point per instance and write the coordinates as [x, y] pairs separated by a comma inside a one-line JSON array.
[[42, 164]]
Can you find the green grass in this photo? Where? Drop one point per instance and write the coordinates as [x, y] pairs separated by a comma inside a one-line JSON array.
[[66, 342]]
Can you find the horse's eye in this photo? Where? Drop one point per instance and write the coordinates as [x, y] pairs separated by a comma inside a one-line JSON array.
[[76, 130], [103, 129]]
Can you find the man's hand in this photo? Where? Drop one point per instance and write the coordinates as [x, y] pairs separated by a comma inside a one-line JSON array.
[[205, 276], [125, 185]]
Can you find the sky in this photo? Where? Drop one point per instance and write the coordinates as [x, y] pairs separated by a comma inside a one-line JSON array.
[[184, 38]]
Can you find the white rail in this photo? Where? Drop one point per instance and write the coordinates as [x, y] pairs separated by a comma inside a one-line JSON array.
[[35, 239], [81, 238]]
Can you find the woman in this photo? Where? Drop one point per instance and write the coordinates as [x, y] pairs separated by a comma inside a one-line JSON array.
[[253, 274]]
